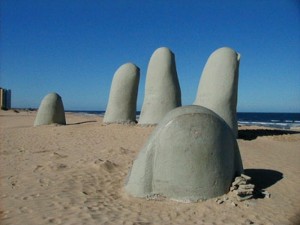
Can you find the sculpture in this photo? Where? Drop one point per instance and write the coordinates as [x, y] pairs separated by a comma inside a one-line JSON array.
[[51, 111], [121, 106], [162, 90], [218, 86], [191, 155]]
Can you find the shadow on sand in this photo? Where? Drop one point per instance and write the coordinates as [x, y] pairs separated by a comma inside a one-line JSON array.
[[263, 178], [252, 134], [89, 121]]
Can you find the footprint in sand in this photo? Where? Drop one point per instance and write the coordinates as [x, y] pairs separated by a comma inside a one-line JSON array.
[[57, 166], [124, 150], [106, 164], [44, 182], [51, 165], [30, 197], [54, 220], [60, 166], [37, 168], [25, 210], [59, 156], [13, 181]]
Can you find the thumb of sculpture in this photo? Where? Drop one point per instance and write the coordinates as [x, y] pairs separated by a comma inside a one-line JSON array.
[[218, 86]]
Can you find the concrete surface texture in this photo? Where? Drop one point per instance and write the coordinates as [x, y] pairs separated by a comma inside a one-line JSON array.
[[121, 107], [162, 90], [218, 86], [191, 155], [51, 111]]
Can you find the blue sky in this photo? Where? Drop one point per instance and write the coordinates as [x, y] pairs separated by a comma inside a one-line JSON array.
[[74, 47]]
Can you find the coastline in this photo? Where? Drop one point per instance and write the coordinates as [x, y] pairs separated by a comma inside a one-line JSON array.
[[283, 121], [75, 174]]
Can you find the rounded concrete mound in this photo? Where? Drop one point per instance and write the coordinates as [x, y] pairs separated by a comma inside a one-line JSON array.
[[121, 107], [51, 111], [192, 155]]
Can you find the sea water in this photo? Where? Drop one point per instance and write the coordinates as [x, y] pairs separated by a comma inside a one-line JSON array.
[[275, 120]]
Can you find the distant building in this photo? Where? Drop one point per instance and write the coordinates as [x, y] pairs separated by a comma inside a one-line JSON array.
[[5, 98]]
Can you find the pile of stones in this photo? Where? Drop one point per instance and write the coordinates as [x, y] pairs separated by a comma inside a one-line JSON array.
[[241, 190], [242, 187]]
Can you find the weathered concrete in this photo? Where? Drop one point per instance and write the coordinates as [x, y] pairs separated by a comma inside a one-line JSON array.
[[51, 111], [162, 90], [191, 155], [218, 86], [121, 106]]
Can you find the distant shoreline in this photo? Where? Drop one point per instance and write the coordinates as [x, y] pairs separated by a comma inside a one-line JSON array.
[[277, 120]]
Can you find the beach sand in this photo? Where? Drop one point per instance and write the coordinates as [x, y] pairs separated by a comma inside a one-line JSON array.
[[75, 174]]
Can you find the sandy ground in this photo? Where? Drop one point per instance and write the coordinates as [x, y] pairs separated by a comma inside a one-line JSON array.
[[75, 174]]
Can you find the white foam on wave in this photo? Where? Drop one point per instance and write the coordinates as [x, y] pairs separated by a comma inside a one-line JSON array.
[[280, 125]]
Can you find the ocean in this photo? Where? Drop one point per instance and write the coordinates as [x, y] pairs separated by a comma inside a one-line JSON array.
[[274, 120]]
